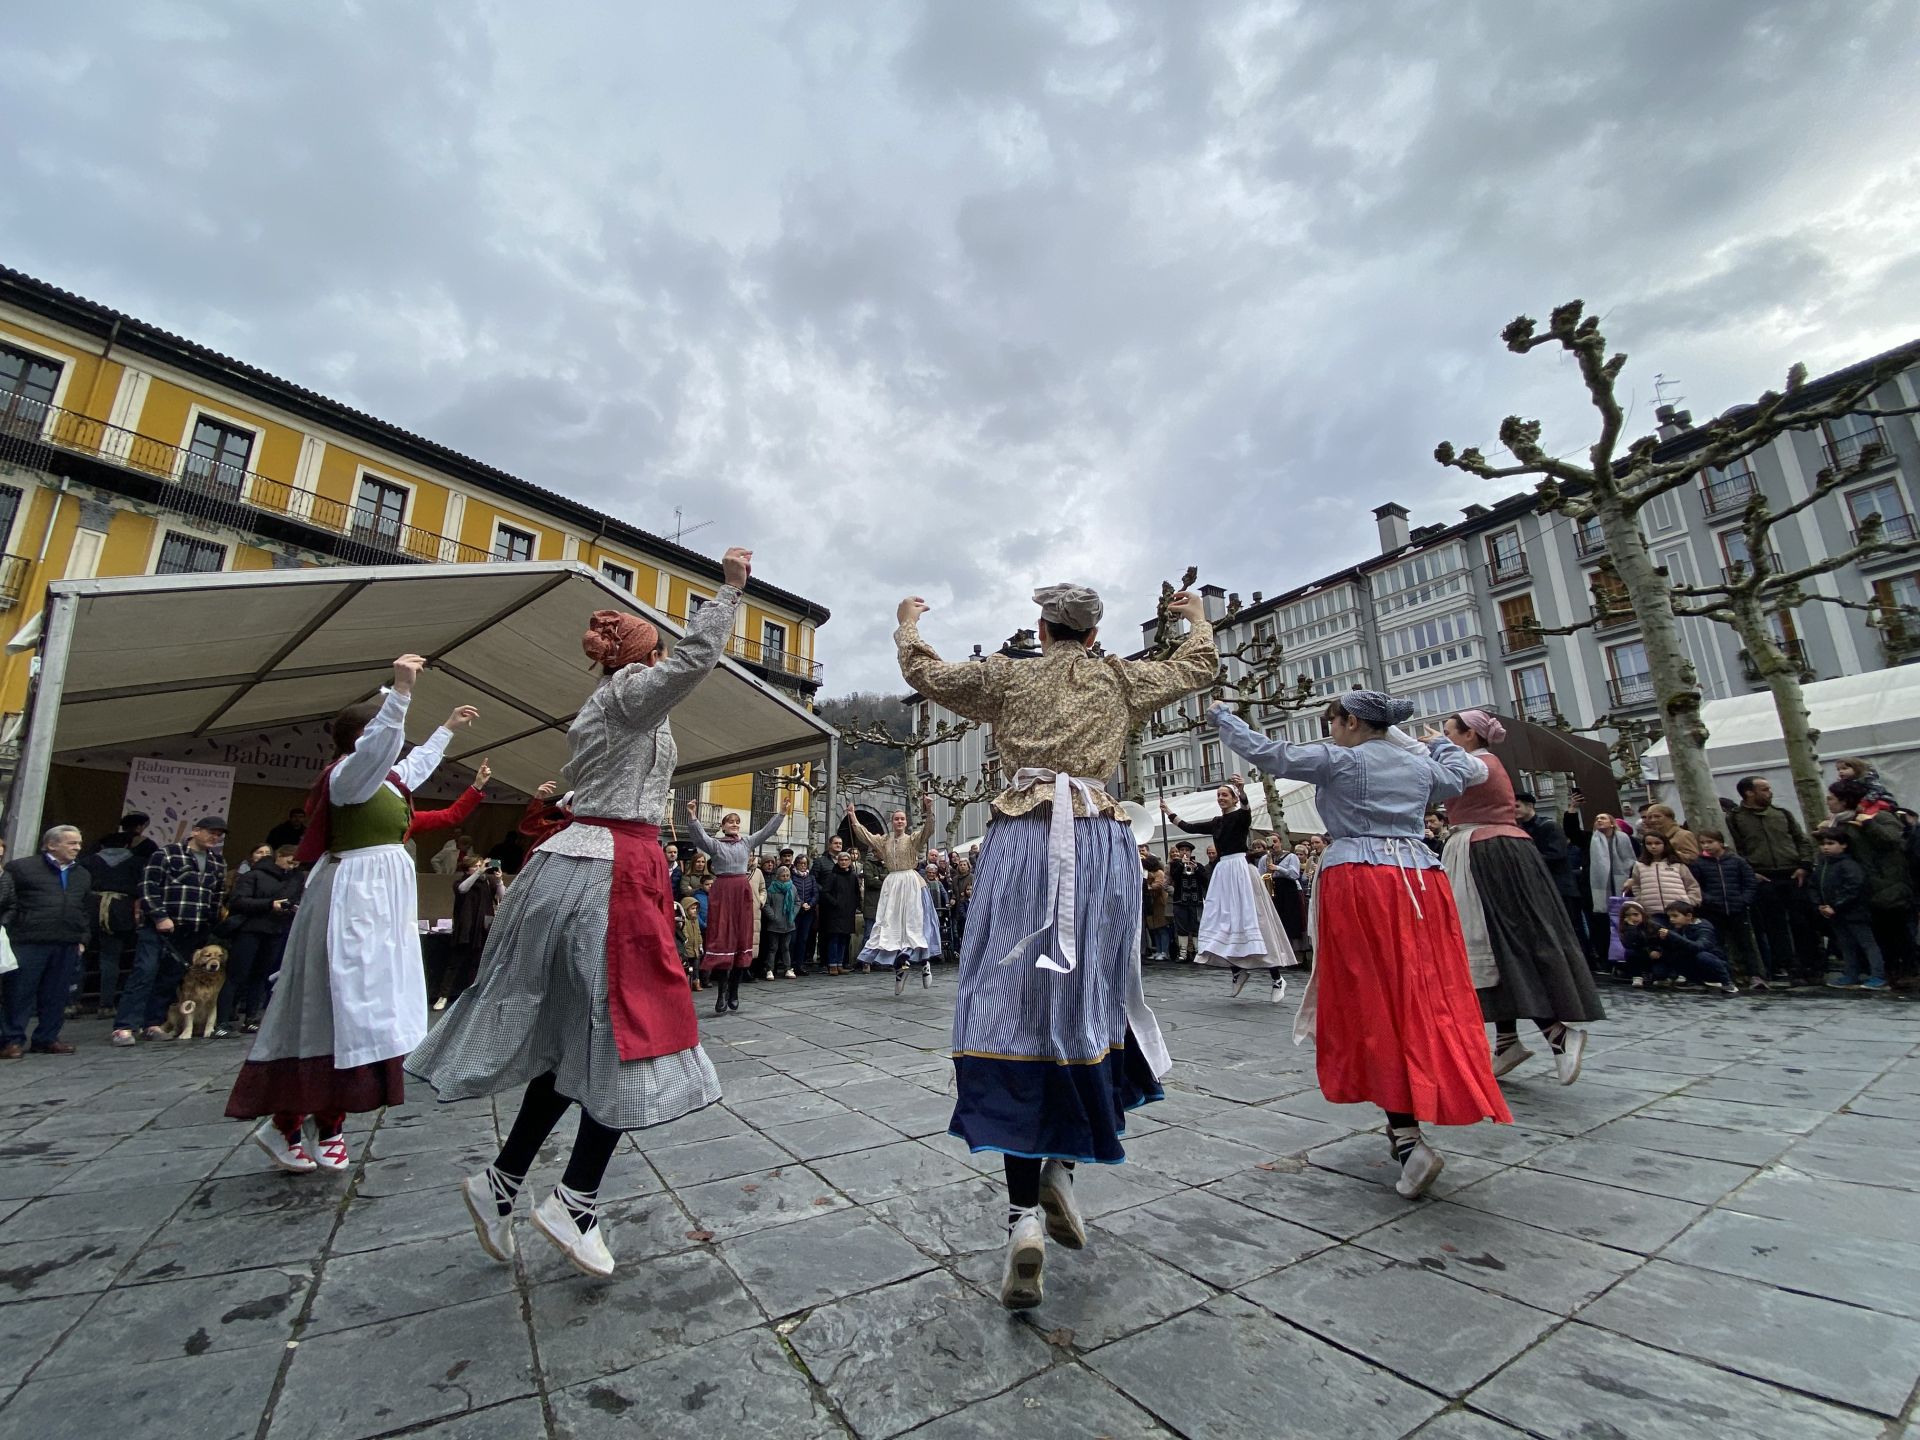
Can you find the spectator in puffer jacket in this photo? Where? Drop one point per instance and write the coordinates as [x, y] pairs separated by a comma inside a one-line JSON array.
[[1727, 887]]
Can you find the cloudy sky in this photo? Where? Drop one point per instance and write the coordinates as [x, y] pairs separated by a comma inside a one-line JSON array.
[[961, 296]]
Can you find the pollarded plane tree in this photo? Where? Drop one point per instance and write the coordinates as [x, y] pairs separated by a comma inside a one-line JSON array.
[[1617, 482]]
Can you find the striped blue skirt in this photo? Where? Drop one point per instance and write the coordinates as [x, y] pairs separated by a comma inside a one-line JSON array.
[[1045, 1063]]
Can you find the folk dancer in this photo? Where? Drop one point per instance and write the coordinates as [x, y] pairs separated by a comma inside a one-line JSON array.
[[351, 999], [1052, 1038], [906, 930], [582, 999], [1391, 1005]]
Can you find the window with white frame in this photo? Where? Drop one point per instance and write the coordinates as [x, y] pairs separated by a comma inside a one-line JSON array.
[[379, 510], [1210, 762], [620, 575], [512, 543], [217, 457], [27, 383], [1532, 695], [1431, 575], [189, 555], [695, 604], [1885, 500], [1442, 640]]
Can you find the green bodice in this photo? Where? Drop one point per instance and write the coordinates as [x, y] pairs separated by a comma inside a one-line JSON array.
[[383, 820]]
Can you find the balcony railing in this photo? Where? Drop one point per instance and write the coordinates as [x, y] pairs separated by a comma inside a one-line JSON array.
[[1611, 613], [13, 579], [221, 492], [1521, 638], [1540, 709], [1626, 692], [1893, 527], [1730, 492], [1507, 569], [1850, 451], [766, 657], [1795, 652], [32, 433], [1589, 542]]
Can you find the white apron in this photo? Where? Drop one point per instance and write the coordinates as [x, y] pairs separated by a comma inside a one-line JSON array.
[[1457, 861], [378, 980]]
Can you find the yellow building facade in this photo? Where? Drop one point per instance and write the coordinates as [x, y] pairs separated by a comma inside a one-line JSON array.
[[125, 450]]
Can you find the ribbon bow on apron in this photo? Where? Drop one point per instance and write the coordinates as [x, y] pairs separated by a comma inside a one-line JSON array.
[[1060, 865]]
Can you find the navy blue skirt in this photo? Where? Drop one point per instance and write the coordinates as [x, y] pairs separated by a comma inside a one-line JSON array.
[[1045, 1063]]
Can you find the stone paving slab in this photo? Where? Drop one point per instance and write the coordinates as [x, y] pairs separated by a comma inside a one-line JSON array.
[[815, 1256]]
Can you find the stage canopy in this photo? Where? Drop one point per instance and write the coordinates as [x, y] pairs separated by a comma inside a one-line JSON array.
[[140, 659]]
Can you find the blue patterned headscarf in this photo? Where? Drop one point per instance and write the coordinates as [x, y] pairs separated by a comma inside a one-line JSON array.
[[1376, 707]]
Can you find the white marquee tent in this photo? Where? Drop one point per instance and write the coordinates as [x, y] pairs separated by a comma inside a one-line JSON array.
[[1875, 715], [127, 661], [1296, 806]]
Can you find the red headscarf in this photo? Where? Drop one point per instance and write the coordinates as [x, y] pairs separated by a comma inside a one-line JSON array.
[[615, 638]]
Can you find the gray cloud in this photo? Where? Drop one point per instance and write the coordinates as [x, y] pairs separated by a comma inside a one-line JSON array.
[[961, 298]]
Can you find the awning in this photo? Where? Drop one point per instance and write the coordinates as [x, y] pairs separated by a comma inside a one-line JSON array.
[[143, 658]]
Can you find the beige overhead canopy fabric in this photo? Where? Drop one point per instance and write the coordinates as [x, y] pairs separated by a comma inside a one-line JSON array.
[[151, 657]]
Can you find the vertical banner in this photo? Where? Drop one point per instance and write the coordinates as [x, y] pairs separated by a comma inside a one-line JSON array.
[[176, 793]]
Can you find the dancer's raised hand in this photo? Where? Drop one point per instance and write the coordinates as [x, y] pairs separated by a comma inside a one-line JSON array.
[[693, 808], [462, 715], [1187, 606], [406, 670], [547, 789], [911, 609], [736, 565], [482, 775]]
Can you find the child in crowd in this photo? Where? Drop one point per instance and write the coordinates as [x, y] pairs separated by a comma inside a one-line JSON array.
[[1851, 767], [687, 932], [1659, 879], [1640, 940], [1691, 949], [1840, 884], [1727, 886]]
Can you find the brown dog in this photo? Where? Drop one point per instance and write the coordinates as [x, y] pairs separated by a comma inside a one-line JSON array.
[[199, 998]]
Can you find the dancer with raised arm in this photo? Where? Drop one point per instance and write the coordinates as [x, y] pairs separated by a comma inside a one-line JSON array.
[[1525, 959], [1391, 1006], [1052, 1038], [351, 999], [730, 901], [582, 999], [905, 926], [1239, 927]]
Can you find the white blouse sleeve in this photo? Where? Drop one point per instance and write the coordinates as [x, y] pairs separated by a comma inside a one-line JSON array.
[[421, 761], [359, 776]]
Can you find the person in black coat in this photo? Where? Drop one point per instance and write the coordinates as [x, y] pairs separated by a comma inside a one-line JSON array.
[[1551, 841], [48, 916], [115, 868], [839, 902], [264, 902]]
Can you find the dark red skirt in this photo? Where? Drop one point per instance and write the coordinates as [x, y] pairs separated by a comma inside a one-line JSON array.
[[1398, 1021], [314, 1085], [729, 924]]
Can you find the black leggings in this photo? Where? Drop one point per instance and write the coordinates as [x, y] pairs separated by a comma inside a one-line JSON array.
[[540, 1111], [1023, 1181]]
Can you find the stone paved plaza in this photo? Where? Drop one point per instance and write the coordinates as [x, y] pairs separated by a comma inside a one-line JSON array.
[[1712, 1234]]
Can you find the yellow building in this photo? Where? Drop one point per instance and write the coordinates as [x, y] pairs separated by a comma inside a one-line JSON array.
[[125, 450]]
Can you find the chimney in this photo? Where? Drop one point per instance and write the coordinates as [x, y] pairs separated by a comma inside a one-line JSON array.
[[1213, 601], [1392, 519], [1672, 422], [1475, 512], [1257, 597]]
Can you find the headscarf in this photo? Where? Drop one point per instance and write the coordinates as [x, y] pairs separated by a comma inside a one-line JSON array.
[[614, 638], [1487, 727], [1376, 707], [1073, 607]]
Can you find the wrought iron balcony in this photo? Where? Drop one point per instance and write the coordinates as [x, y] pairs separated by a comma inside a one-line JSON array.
[[1589, 541], [1630, 692], [1540, 709], [777, 661], [1508, 569], [1899, 526], [1864, 450], [14, 570], [1613, 613], [1795, 652], [1521, 638], [1731, 491], [152, 470], [1775, 565]]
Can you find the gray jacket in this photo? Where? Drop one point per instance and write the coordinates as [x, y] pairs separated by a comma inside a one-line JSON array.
[[620, 749], [1609, 866]]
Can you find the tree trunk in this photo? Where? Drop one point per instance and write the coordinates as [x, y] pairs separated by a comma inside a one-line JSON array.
[[1676, 687], [1782, 678]]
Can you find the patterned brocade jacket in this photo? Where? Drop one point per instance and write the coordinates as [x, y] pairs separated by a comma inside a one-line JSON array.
[[1067, 711], [896, 852]]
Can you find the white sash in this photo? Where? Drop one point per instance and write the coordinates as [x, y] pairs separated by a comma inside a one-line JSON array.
[[1457, 860]]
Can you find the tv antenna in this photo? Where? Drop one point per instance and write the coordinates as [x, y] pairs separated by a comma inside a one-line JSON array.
[[1661, 385], [680, 526]]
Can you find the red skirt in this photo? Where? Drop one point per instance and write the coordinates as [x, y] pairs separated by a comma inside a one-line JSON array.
[[1399, 1024], [315, 1086], [729, 924]]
